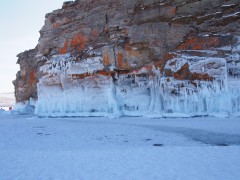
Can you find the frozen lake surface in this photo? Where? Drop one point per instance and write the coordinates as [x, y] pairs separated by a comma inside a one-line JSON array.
[[124, 148]]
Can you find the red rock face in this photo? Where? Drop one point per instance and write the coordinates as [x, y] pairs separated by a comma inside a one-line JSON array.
[[32, 77], [200, 43], [64, 49], [135, 37]]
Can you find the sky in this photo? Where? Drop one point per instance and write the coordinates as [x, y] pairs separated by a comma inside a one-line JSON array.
[[21, 21]]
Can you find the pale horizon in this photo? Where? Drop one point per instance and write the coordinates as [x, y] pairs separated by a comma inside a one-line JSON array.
[[21, 23]]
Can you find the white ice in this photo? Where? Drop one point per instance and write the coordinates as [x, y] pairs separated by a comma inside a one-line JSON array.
[[74, 88], [134, 95]]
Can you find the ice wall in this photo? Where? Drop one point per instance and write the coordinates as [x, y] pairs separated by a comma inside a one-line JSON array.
[[71, 88]]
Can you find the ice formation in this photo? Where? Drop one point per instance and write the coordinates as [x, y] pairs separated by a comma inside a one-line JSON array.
[[72, 88]]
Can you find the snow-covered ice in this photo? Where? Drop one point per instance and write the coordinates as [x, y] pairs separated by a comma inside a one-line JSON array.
[[123, 148]]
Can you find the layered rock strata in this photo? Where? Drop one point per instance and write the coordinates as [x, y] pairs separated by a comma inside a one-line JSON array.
[[135, 58]]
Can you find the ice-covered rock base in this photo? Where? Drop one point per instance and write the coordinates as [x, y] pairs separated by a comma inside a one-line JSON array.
[[154, 99], [69, 91]]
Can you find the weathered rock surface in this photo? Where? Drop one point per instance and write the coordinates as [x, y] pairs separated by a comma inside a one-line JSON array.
[[135, 57], [27, 78]]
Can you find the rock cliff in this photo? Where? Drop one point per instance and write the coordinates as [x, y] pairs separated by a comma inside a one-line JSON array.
[[135, 57]]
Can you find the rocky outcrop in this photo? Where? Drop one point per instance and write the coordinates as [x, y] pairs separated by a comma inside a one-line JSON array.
[[135, 57], [27, 78]]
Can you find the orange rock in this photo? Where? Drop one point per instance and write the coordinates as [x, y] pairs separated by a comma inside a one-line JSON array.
[[200, 43], [128, 47], [92, 76], [105, 73], [120, 60], [64, 49], [198, 76], [32, 77], [79, 41], [106, 59], [170, 56], [121, 63], [183, 74], [162, 62]]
